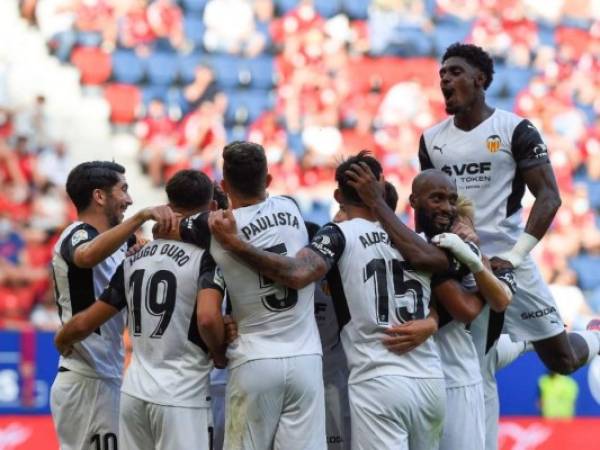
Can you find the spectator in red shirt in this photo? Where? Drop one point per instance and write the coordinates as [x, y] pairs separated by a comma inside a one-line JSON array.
[[135, 30], [166, 20], [157, 134]]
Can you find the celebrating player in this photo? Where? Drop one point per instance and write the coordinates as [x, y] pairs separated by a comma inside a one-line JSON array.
[[395, 401], [275, 389], [492, 155], [85, 394], [164, 398]]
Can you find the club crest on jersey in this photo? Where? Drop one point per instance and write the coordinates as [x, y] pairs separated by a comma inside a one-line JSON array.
[[79, 236], [493, 143]]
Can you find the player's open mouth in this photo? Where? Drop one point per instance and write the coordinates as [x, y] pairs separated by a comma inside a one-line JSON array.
[[447, 93]]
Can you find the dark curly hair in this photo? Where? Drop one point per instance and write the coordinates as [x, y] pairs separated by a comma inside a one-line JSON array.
[[475, 56]]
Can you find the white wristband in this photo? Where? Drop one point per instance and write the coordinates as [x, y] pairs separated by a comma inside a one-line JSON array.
[[521, 249]]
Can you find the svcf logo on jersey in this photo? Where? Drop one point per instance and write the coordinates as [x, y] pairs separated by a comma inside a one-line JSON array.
[[493, 143]]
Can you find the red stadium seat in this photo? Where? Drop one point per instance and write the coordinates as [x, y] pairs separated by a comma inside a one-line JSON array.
[[93, 63], [124, 100]]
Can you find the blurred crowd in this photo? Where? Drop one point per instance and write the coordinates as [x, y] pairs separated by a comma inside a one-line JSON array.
[[34, 209], [312, 81]]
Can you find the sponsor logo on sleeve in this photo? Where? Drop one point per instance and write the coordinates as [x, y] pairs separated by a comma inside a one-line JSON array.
[[322, 244], [78, 236], [540, 151]]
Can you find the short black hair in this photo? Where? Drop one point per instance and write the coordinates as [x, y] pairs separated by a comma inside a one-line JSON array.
[[88, 176], [189, 189], [342, 179], [391, 195], [220, 197], [245, 167], [475, 56]]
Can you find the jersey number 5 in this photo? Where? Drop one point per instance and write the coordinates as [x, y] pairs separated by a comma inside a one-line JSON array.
[[279, 298], [377, 269], [161, 286]]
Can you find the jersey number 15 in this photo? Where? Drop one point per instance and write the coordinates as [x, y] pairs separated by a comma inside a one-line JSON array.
[[378, 270]]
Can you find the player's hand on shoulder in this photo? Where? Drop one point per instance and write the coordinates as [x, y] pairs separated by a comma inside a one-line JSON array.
[[139, 244], [166, 220], [231, 330], [466, 252], [370, 189], [223, 227], [406, 337]]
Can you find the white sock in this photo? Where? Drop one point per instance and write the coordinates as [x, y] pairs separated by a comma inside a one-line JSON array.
[[592, 339], [507, 351]]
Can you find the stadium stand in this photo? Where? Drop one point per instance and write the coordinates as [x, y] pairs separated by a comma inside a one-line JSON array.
[[312, 81]]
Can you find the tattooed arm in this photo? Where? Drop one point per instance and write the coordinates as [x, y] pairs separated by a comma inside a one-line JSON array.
[[294, 272]]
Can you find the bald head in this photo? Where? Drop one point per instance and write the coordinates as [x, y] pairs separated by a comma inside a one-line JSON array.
[[434, 199], [431, 179]]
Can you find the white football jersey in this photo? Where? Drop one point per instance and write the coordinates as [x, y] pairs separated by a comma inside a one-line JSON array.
[[329, 331], [374, 288], [101, 353], [273, 321], [159, 285], [486, 163]]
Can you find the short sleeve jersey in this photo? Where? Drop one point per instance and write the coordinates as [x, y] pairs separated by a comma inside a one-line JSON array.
[[101, 353], [273, 321], [373, 288], [487, 163], [159, 285]]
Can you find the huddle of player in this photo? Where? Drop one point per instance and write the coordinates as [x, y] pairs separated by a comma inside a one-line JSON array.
[[418, 316]]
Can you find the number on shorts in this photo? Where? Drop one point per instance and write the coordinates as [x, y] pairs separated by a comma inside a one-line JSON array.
[[377, 269], [162, 286], [108, 442], [280, 298]]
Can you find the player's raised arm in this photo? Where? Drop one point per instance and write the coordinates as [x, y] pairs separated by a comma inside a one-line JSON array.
[[90, 253], [531, 156], [297, 272], [419, 253]]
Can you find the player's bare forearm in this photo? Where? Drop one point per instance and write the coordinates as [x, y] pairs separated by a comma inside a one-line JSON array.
[[541, 182], [297, 272], [461, 304], [82, 324], [419, 253], [105, 244], [210, 320], [494, 291]]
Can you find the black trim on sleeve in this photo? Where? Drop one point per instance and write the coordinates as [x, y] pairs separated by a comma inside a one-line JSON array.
[[517, 191], [114, 294], [194, 230], [424, 159], [329, 243], [507, 276], [456, 271], [340, 303], [495, 324], [527, 146], [210, 277], [79, 235]]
